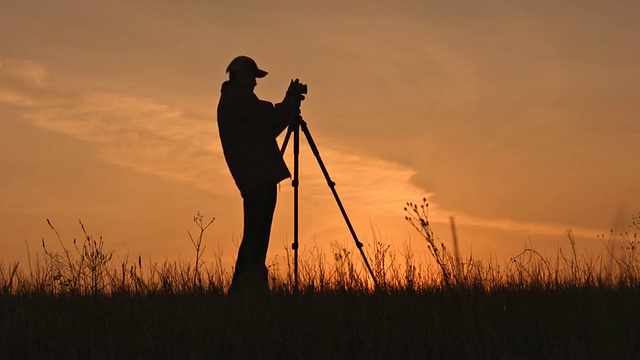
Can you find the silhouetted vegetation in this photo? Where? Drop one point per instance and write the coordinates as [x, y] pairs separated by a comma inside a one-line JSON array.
[[81, 303]]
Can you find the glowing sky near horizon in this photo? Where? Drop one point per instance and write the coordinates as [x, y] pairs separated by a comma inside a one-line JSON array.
[[519, 120]]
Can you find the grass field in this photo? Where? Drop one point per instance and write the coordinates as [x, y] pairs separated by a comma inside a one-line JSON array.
[[80, 303]]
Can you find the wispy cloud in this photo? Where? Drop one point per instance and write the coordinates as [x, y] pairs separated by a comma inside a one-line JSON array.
[[25, 83], [14, 97], [523, 227], [26, 72], [148, 136], [143, 135]]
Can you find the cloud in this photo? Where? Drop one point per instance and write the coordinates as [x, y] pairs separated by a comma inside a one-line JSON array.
[[148, 136], [373, 183], [14, 97], [26, 72], [143, 135], [24, 83], [523, 227]]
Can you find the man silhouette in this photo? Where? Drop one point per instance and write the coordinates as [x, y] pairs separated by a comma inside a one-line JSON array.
[[248, 129]]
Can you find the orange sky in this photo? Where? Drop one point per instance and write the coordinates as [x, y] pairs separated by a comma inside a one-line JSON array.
[[521, 121]]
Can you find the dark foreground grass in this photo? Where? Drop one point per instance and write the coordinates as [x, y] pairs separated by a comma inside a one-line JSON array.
[[501, 324], [79, 304]]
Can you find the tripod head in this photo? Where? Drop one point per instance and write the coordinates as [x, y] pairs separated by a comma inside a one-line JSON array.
[[298, 121]]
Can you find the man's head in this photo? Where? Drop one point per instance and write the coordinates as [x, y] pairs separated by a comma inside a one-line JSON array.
[[243, 67]]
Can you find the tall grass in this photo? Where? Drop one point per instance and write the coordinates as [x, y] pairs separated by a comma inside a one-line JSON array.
[[86, 267], [81, 303]]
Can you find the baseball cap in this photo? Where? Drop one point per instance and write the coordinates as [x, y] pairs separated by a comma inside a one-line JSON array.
[[247, 65]]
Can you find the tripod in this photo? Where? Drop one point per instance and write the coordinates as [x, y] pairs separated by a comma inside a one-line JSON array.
[[294, 129]]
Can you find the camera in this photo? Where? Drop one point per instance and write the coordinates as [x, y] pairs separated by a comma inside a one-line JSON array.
[[302, 88], [298, 87]]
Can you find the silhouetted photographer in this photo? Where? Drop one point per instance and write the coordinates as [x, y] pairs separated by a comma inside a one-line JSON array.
[[248, 129]]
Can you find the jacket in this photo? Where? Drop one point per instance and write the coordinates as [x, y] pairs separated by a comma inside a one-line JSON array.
[[248, 130]]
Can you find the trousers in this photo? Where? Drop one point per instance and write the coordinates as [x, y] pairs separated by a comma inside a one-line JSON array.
[[251, 272]]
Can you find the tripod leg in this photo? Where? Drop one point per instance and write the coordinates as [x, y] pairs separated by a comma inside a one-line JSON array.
[[295, 183], [332, 185], [290, 129], [294, 129]]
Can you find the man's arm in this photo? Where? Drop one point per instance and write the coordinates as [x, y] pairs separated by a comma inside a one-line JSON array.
[[274, 119], [245, 116], [289, 108]]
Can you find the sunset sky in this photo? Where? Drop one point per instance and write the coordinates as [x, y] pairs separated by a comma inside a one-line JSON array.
[[519, 120]]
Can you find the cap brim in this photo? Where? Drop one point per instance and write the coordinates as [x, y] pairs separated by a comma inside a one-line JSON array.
[[261, 73]]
